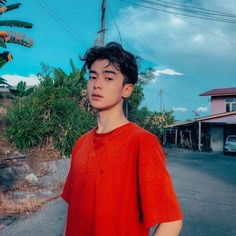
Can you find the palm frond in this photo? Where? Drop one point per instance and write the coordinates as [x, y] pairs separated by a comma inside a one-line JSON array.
[[5, 57], [3, 2], [16, 37], [4, 9], [16, 23], [3, 81], [2, 44]]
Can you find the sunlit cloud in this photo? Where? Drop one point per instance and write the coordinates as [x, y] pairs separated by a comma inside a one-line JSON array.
[[15, 79], [176, 21], [202, 109], [199, 38], [166, 72], [180, 109]]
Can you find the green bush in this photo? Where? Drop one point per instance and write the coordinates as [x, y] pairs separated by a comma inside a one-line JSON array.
[[51, 111]]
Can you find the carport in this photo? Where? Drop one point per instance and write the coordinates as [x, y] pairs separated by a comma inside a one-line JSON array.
[[204, 134]]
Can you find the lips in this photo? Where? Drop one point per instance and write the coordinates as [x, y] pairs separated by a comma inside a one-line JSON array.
[[97, 96]]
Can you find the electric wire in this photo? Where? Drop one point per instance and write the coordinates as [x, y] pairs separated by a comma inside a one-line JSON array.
[[61, 22], [199, 8], [173, 96], [205, 12], [182, 14], [137, 29], [208, 31], [195, 25], [115, 22]]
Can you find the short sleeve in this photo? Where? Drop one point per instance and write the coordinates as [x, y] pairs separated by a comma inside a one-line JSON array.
[[67, 190], [158, 199]]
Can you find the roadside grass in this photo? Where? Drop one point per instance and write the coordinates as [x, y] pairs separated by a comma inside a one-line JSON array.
[[25, 206]]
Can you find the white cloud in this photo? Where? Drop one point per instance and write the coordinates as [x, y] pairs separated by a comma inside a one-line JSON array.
[[176, 21], [199, 38], [181, 109], [157, 34], [15, 79], [158, 72], [202, 109]]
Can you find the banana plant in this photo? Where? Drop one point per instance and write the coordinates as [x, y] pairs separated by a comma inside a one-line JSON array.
[[12, 36], [3, 81], [21, 90]]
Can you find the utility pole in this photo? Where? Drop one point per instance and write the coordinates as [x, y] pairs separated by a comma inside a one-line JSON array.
[[103, 22], [161, 100], [100, 38]]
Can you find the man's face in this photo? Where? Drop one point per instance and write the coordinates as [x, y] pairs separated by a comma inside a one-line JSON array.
[[105, 86]]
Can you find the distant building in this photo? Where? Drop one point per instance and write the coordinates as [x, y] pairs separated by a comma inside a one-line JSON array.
[[5, 97], [4, 89], [207, 133], [222, 100]]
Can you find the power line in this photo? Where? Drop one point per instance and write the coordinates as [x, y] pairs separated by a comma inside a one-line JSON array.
[[208, 31], [190, 9], [115, 22], [199, 8], [172, 96], [61, 22], [195, 25], [183, 14], [137, 29]]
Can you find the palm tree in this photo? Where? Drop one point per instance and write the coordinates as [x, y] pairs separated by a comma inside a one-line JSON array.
[[12, 36], [3, 81]]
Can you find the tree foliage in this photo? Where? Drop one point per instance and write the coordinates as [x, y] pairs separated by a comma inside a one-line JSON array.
[[21, 90], [151, 121], [58, 110], [51, 112]]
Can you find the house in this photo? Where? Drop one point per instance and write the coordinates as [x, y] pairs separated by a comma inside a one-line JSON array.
[[207, 133]]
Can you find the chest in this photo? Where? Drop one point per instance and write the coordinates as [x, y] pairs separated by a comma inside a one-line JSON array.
[[105, 156]]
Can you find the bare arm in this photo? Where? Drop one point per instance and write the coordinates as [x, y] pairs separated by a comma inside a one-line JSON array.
[[169, 229]]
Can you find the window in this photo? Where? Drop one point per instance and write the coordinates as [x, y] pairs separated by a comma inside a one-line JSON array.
[[230, 104]]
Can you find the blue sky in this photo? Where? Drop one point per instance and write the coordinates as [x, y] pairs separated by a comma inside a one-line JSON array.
[[190, 56]]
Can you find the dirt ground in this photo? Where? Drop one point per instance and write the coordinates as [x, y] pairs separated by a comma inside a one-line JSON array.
[[18, 197]]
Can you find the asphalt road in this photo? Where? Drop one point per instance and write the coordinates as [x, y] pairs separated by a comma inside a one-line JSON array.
[[205, 184]]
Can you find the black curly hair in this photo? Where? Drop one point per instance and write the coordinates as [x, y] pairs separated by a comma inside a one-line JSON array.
[[123, 60]]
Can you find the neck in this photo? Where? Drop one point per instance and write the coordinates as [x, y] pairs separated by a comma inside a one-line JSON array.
[[107, 120]]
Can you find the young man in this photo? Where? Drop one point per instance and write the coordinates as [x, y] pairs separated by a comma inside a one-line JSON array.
[[118, 184]]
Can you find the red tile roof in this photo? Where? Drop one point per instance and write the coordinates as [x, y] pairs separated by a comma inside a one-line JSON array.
[[220, 92]]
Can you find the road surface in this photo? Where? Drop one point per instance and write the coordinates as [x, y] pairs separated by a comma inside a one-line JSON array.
[[205, 184]]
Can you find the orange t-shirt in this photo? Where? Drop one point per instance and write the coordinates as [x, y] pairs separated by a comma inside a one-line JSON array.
[[118, 184]]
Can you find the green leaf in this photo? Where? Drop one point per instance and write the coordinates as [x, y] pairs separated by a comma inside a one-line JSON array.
[[15, 23], [2, 44]]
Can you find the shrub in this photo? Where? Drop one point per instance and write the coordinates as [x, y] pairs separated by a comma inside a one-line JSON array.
[[52, 111]]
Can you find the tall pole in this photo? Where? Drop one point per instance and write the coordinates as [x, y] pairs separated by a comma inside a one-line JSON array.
[[161, 101], [103, 22], [199, 136]]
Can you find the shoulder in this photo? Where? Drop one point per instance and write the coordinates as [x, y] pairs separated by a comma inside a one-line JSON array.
[[149, 147], [141, 135]]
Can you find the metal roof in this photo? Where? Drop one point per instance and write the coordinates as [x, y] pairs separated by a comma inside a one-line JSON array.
[[211, 117], [220, 92]]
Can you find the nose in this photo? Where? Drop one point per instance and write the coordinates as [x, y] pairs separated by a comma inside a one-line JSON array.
[[98, 83]]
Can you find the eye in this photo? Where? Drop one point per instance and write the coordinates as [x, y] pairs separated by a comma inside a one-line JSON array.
[[108, 78], [92, 77]]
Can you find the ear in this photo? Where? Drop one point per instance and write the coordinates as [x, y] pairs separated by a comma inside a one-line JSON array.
[[127, 90]]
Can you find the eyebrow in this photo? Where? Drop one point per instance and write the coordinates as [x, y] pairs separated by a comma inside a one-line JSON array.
[[92, 71], [109, 72], [105, 72]]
